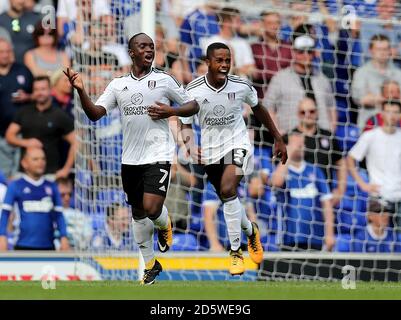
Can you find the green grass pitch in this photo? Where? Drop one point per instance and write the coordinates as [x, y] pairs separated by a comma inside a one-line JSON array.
[[198, 290]]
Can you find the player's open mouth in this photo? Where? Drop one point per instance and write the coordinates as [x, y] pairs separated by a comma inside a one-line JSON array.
[[149, 57], [223, 73]]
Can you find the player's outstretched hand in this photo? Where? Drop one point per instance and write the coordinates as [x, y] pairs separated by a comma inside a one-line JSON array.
[[160, 111], [74, 78], [280, 151]]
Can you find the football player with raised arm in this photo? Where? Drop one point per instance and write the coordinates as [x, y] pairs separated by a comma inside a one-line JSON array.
[[148, 145], [226, 150]]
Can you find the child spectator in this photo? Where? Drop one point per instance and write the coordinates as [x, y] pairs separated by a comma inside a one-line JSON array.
[[79, 226], [115, 233]]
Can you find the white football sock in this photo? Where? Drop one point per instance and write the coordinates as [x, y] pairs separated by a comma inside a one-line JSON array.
[[246, 224], [162, 221], [232, 215], [143, 235]]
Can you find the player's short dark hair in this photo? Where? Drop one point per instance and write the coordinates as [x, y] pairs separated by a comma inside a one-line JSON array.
[[378, 37], [215, 46], [226, 14], [132, 39], [391, 102], [42, 78]]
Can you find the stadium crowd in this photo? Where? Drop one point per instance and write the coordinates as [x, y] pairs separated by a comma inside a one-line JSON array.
[[333, 90]]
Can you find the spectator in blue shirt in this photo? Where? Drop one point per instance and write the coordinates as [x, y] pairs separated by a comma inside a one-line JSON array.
[[305, 199], [378, 236], [39, 207], [203, 22]]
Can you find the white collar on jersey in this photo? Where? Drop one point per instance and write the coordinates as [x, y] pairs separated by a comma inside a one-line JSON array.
[[213, 88], [116, 242], [298, 170], [139, 79], [369, 228], [36, 183]]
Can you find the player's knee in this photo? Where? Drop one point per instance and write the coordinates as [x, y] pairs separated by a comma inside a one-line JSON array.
[[138, 214], [153, 209], [228, 193]]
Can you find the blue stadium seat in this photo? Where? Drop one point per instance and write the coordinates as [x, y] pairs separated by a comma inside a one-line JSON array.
[[184, 242], [343, 243], [181, 242], [270, 243], [351, 212], [347, 136]]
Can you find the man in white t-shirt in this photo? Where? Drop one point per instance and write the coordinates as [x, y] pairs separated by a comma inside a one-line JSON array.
[[382, 149], [242, 59], [148, 145]]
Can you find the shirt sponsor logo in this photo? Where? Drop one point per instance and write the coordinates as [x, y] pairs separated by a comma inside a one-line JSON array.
[[309, 191], [45, 205], [220, 121], [135, 110]]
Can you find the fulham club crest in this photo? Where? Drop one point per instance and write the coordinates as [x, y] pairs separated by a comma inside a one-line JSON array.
[[231, 96], [151, 84]]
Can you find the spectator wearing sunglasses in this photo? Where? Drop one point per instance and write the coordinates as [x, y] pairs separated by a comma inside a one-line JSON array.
[[321, 147], [45, 59], [20, 23], [291, 85]]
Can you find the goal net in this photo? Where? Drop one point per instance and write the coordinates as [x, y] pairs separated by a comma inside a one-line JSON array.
[[293, 216]]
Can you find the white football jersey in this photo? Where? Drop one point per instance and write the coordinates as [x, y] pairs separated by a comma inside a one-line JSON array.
[[144, 140], [220, 115]]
